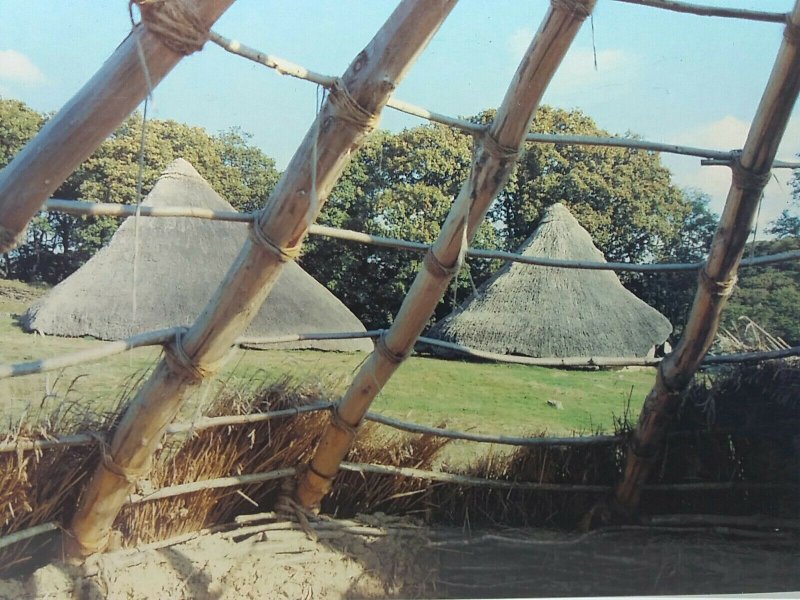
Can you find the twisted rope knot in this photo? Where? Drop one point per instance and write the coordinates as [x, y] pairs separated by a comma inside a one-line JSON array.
[[260, 238], [87, 548], [287, 507], [746, 179], [437, 269], [577, 8], [791, 33], [342, 425], [129, 474], [174, 22], [346, 107], [495, 149], [181, 363], [387, 353], [9, 239], [720, 289]]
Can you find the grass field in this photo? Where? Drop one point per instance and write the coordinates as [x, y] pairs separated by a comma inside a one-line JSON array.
[[490, 398]]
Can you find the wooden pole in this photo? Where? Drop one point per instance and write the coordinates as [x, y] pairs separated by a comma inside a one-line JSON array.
[[494, 158], [285, 67], [349, 113], [75, 207], [712, 11], [717, 279], [90, 116]]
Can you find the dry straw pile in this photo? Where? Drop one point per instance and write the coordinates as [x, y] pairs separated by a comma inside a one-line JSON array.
[[734, 429]]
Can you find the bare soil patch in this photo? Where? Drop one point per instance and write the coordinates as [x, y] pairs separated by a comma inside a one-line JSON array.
[[406, 560]]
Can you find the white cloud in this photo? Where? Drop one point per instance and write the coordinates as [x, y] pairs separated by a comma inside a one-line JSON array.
[[577, 70], [578, 84], [15, 66], [730, 133]]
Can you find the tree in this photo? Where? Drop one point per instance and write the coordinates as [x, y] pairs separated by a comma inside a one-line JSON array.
[[58, 244], [402, 185], [623, 197], [786, 225], [769, 295], [673, 293], [398, 185], [18, 124]]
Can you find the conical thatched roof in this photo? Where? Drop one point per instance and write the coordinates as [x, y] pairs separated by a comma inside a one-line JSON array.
[[556, 312], [181, 261]]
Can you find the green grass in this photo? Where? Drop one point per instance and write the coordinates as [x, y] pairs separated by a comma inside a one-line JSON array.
[[490, 398]]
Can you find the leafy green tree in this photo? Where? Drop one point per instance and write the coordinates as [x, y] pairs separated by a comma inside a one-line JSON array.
[[18, 124], [624, 198], [673, 293], [398, 185], [58, 244], [770, 295], [403, 185], [786, 225]]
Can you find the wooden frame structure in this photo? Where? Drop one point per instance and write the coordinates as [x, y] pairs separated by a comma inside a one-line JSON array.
[[170, 30]]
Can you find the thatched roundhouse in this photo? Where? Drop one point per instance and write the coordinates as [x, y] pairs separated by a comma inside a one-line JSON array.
[[556, 312], [180, 263]]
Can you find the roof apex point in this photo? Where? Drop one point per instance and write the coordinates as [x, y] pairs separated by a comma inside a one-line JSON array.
[[180, 166]]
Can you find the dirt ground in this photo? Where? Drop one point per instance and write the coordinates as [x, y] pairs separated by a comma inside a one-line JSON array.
[[371, 558]]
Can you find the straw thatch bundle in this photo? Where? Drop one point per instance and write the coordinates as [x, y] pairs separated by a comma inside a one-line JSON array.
[[180, 262], [556, 312]]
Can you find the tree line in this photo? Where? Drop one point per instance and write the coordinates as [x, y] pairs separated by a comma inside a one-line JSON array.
[[402, 185]]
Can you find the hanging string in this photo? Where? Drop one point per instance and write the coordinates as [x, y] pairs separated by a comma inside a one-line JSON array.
[[755, 226], [594, 46], [140, 174], [136, 217], [313, 204]]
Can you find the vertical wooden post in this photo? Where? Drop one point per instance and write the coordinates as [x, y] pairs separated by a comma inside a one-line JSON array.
[[349, 113], [492, 163], [88, 118], [750, 174]]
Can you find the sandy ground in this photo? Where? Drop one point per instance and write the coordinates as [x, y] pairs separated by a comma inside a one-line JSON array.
[[373, 559]]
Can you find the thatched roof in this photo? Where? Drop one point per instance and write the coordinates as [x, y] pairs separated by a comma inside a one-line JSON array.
[[181, 261], [556, 312]]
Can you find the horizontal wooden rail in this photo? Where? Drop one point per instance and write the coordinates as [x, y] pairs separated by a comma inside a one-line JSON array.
[[491, 439], [23, 444], [444, 477], [43, 365], [163, 336], [712, 11], [78, 208], [210, 484], [228, 420], [26, 534], [285, 67]]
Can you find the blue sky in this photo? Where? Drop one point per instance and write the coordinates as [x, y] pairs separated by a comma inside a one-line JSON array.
[[665, 76]]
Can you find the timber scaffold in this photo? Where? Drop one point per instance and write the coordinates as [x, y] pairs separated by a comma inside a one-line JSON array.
[[172, 29]]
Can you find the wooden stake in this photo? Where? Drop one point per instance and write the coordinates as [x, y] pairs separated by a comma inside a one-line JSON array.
[[493, 161], [712, 11], [75, 207], [85, 121], [298, 197], [716, 281]]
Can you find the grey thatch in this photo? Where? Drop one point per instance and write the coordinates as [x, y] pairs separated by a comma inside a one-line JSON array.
[[555, 312], [180, 263]]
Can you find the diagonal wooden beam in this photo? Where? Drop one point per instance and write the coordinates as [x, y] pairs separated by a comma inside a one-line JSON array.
[[142, 60], [750, 176], [349, 113], [494, 158]]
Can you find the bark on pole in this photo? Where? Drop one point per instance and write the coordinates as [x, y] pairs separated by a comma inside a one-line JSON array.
[[348, 114], [87, 119], [494, 158], [750, 175]]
